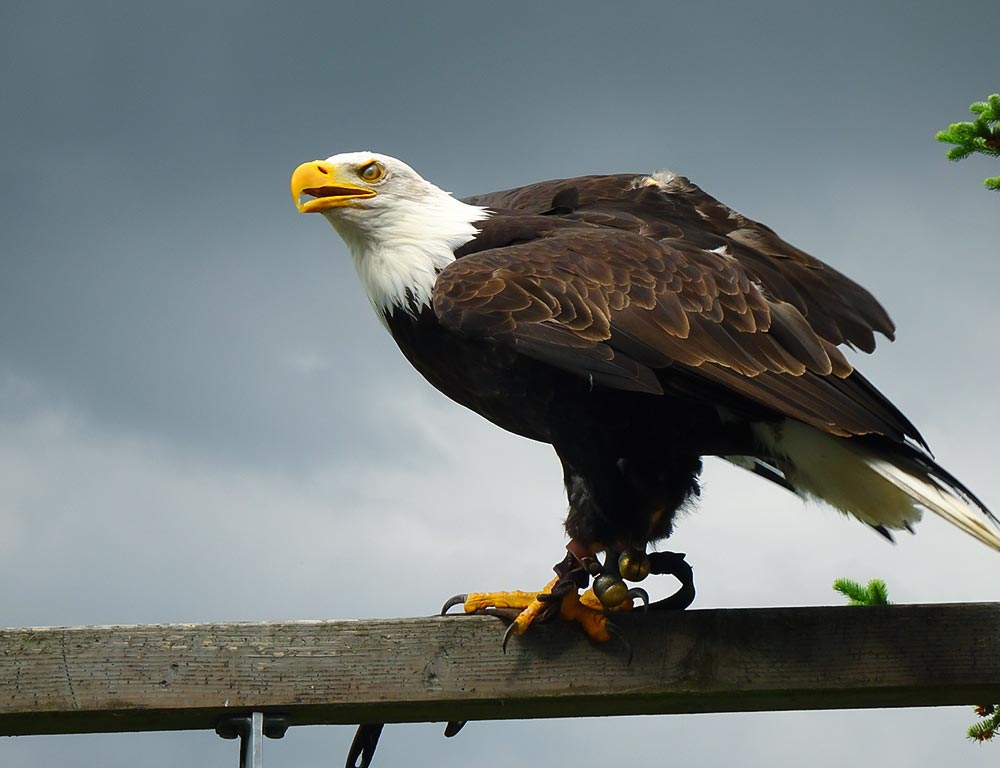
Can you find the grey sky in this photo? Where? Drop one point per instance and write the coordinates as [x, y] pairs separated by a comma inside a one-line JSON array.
[[200, 419]]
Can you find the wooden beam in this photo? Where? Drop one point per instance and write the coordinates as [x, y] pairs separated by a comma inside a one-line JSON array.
[[166, 677]]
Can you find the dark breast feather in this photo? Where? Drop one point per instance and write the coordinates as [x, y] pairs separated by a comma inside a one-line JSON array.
[[606, 302]]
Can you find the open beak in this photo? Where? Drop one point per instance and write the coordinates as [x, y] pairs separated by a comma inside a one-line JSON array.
[[322, 181]]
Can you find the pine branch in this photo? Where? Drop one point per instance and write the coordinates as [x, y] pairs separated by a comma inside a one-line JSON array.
[[876, 593], [981, 135], [987, 728]]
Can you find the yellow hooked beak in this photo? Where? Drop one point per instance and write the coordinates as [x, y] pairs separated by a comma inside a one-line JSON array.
[[324, 182]]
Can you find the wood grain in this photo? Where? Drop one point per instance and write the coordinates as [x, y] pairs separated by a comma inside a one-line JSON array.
[[166, 677]]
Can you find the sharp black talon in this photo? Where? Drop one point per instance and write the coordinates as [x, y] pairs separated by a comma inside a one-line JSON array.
[[617, 634], [452, 602], [638, 593], [507, 635], [453, 728]]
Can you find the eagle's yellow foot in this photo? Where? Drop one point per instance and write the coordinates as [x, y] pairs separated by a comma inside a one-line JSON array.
[[587, 610], [530, 606], [554, 597], [480, 601], [562, 597], [591, 619]]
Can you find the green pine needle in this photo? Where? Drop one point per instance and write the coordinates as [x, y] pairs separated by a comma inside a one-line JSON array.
[[852, 590], [878, 592]]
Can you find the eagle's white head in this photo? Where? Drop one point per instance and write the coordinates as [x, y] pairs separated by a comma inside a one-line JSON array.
[[401, 230]]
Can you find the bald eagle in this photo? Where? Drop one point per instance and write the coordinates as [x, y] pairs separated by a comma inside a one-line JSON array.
[[637, 325]]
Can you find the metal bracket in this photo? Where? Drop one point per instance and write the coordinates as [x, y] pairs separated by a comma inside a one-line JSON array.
[[251, 731]]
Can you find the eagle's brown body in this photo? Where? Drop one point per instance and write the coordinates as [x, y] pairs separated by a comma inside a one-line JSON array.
[[594, 314]]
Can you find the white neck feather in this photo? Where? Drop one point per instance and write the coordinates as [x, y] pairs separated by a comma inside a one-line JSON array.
[[399, 249]]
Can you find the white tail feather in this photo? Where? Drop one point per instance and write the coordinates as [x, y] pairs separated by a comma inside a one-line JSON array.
[[852, 478], [926, 492]]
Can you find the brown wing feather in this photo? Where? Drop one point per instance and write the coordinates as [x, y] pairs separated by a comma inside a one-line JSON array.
[[671, 207], [615, 306]]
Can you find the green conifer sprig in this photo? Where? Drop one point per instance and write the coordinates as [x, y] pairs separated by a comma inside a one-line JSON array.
[[981, 135], [986, 728], [876, 593]]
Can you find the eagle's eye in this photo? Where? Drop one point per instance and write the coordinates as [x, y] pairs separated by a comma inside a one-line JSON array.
[[374, 171]]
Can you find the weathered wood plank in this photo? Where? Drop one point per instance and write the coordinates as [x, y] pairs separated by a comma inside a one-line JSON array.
[[165, 677]]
